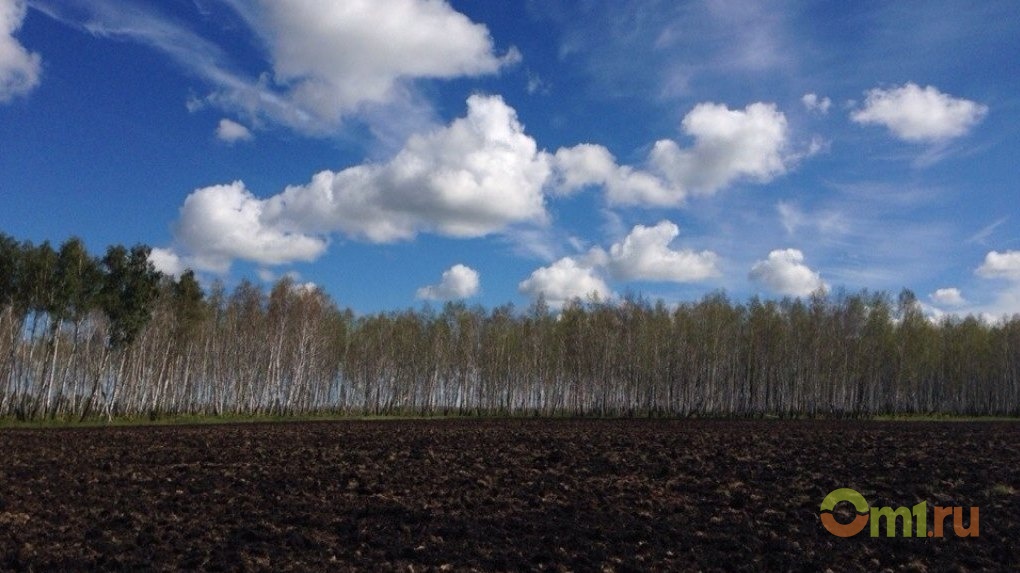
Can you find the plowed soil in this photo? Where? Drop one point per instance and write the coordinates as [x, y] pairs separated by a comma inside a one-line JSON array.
[[623, 495]]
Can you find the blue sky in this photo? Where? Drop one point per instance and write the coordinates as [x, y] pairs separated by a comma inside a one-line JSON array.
[[406, 150]]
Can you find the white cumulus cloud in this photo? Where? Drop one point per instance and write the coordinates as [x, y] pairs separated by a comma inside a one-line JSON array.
[[477, 176], [785, 273], [230, 131], [590, 164], [457, 282], [645, 255], [225, 222], [334, 56], [583, 165], [917, 114], [1001, 265], [563, 281], [474, 177], [20, 69], [948, 297], [167, 261], [815, 103], [729, 146], [1001, 302]]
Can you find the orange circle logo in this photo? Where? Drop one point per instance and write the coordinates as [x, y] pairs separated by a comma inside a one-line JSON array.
[[844, 529]]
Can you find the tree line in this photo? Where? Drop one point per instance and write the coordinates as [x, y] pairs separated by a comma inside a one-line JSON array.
[[84, 336]]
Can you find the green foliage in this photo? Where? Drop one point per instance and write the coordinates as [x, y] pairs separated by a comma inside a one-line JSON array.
[[11, 257], [78, 282], [38, 277], [130, 286], [189, 304]]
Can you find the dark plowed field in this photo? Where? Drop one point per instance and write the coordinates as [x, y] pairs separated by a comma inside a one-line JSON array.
[[498, 495]]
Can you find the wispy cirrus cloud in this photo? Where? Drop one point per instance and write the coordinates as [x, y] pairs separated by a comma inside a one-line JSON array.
[[666, 49], [874, 235], [324, 61], [981, 237]]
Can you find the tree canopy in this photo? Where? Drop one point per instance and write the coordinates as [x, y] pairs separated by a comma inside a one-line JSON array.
[[81, 334]]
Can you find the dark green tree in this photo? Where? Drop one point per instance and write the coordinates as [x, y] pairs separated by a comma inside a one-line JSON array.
[[130, 286], [78, 280]]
